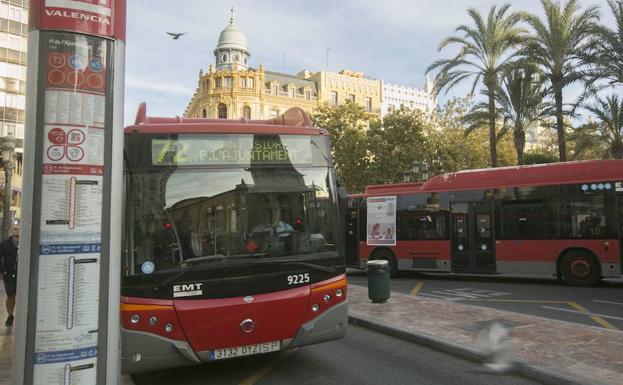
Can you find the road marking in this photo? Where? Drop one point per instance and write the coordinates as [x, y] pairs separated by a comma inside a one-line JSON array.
[[417, 288], [264, 370], [584, 313], [435, 296], [595, 318], [610, 302], [466, 293], [521, 301]]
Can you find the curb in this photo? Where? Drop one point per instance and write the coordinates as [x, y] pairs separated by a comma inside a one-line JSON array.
[[465, 352]]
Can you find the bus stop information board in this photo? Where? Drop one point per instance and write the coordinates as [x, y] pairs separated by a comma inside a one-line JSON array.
[[74, 46], [71, 208]]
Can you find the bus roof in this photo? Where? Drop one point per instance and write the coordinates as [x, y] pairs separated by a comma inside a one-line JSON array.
[[501, 177], [294, 121]]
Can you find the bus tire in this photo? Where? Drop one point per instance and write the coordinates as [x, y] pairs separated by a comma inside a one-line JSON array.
[[580, 268], [388, 256]]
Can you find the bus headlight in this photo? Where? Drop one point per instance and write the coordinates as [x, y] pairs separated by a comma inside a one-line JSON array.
[[339, 292], [326, 298], [168, 327], [135, 318], [315, 308], [153, 320]]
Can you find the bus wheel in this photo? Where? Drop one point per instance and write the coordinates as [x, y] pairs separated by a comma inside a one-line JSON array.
[[580, 268], [389, 257]]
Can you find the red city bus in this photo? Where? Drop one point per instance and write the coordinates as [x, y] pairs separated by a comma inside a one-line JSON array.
[[561, 220], [232, 242]]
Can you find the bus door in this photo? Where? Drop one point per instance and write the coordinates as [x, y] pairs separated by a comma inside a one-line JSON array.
[[472, 238], [352, 237]]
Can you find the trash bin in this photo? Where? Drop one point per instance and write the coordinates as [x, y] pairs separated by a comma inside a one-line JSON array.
[[378, 280]]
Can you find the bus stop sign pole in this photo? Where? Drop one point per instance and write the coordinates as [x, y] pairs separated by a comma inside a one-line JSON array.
[[67, 319]]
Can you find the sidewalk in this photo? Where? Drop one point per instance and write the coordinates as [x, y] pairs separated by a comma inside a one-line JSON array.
[[6, 342], [545, 350]]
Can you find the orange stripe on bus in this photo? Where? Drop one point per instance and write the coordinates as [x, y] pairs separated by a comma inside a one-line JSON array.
[[134, 307], [333, 285]]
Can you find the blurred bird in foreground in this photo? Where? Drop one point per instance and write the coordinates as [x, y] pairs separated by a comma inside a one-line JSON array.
[[176, 35], [496, 343]]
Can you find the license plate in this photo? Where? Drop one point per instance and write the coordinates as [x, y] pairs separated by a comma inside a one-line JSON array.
[[247, 350]]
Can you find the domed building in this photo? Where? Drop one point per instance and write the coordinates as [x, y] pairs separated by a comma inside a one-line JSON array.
[[231, 89]]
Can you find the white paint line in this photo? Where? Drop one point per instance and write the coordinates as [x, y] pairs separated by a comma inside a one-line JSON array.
[[582, 312], [610, 302], [435, 296]]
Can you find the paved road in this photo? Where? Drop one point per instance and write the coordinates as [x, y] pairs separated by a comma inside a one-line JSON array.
[[362, 358], [600, 306]]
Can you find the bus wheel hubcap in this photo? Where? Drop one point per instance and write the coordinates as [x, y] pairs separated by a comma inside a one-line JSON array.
[[580, 268]]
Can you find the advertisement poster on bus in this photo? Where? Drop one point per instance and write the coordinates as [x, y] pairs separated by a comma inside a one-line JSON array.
[[381, 227]]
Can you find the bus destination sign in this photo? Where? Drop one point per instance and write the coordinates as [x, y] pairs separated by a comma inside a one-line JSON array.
[[247, 150]]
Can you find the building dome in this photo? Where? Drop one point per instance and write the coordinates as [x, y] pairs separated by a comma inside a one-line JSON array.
[[232, 38], [231, 50]]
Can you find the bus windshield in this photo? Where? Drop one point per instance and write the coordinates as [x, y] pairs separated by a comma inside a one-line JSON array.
[[221, 201]]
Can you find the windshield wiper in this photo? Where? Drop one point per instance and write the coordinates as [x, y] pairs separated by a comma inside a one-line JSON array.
[[191, 266]]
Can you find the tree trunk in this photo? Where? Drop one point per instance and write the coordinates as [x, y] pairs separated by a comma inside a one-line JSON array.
[[560, 124], [492, 118], [519, 136], [616, 149]]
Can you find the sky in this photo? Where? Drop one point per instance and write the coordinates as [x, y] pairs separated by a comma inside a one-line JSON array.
[[392, 39]]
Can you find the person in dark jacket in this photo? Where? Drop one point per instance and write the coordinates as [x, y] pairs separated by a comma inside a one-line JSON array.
[[8, 268]]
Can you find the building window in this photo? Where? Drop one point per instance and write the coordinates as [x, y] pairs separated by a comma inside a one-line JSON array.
[[224, 57], [250, 83], [368, 104], [205, 113], [242, 82], [246, 112], [228, 82], [308, 95], [219, 82], [334, 98], [222, 111], [291, 92], [275, 89], [237, 58], [351, 97]]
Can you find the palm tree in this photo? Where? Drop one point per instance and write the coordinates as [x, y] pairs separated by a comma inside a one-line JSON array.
[[610, 112], [485, 52], [520, 106], [606, 53], [558, 42]]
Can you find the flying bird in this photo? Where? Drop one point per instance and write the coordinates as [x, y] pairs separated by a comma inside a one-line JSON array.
[[176, 35]]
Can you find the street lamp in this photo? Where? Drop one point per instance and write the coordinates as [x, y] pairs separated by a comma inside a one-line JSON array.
[[406, 176], [7, 149], [415, 168], [425, 171]]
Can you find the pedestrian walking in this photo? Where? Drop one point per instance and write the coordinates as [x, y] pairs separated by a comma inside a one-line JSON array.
[[8, 268]]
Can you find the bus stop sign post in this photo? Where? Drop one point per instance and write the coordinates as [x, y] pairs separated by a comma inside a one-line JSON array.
[[68, 280]]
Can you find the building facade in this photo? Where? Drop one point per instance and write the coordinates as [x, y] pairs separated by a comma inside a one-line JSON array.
[[338, 88], [232, 89], [13, 55], [394, 96]]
